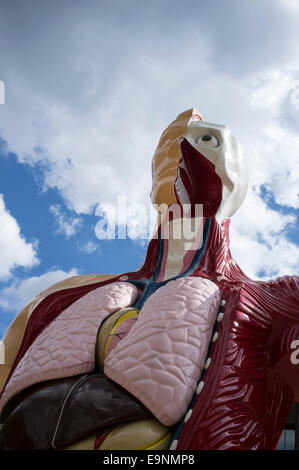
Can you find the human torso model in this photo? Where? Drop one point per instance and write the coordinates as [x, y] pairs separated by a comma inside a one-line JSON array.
[[185, 353]]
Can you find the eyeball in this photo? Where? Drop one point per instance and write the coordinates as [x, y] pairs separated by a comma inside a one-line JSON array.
[[208, 141]]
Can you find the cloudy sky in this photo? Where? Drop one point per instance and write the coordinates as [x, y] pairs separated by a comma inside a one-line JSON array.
[[89, 87]]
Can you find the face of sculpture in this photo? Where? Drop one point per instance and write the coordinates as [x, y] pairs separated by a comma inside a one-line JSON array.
[[198, 162]]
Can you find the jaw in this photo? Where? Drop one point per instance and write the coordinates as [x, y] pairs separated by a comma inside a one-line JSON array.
[[197, 181]]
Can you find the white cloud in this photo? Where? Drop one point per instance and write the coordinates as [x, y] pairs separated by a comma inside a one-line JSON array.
[[15, 250], [272, 146], [291, 4], [20, 292], [282, 152], [259, 242], [94, 123], [89, 247], [272, 88], [67, 225]]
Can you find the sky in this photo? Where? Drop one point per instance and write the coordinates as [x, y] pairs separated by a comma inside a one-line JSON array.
[[89, 88]]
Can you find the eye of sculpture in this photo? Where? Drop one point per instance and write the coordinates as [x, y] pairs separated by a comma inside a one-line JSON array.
[[208, 141]]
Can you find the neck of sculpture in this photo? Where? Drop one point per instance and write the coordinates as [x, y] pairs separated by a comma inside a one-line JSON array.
[[206, 253]]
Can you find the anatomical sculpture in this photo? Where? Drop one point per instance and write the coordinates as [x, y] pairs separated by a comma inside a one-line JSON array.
[[185, 353]]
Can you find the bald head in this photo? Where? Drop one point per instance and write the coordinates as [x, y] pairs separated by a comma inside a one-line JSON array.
[[211, 142]]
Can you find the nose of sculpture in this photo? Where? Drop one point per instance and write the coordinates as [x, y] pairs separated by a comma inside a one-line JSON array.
[[190, 142]]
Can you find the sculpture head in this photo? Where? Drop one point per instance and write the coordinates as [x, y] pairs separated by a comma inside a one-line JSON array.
[[197, 162]]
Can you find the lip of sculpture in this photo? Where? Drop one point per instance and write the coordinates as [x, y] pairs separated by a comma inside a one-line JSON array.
[[197, 181]]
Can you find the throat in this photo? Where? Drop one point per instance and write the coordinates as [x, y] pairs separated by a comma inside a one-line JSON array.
[[208, 256], [180, 247], [205, 255]]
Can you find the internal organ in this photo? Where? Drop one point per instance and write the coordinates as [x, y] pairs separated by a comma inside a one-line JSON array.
[[251, 382], [66, 346], [120, 329], [161, 359]]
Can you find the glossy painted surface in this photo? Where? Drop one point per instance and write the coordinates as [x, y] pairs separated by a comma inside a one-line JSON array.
[[14, 335], [57, 413], [146, 434], [221, 150], [247, 391], [243, 397]]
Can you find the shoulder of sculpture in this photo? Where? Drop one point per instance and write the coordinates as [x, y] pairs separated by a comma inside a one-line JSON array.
[[18, 325], [78, 281], [69, 283], [286, 286], [290, 281], [278, 282]]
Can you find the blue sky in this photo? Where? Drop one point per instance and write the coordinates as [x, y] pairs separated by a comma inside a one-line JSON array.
[[90, 86]]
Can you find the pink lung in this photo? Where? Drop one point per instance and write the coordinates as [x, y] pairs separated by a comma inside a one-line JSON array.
[[66, 346], [161, 359]]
